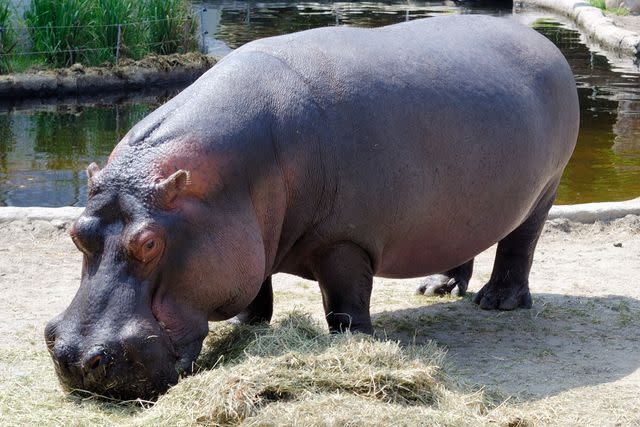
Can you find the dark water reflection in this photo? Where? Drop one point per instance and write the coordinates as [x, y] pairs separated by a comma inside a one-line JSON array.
[[606, 163], [43, 153], [240, 21]]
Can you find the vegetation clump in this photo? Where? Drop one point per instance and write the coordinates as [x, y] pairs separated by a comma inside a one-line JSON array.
[[62, 32], [600, 4], [7, 35], [295, 371], [289, 373]]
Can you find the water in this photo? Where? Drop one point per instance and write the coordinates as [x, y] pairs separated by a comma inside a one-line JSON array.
[[44, 149]]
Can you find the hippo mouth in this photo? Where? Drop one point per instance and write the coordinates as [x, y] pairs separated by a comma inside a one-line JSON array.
[[184, 347], [125, 369], [183, 362]]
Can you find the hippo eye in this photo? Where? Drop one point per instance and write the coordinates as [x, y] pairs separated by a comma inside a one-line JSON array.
[[149, 251], [146, 246]]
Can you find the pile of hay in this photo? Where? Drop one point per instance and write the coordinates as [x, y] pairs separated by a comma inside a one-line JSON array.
[[294, 373], [289, 373]]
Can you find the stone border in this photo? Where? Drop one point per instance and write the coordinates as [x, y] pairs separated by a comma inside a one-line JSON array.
[[153, 71], [595, 23], [583, 213], [592, 212], [65, 214]]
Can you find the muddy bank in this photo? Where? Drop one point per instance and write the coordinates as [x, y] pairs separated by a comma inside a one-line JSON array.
[[80, 81], [76, 103]]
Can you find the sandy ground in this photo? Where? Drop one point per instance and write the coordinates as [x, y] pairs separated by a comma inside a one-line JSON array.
[[576, 351]]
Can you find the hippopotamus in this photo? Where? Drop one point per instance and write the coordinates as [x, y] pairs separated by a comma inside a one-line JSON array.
[[335, 154]]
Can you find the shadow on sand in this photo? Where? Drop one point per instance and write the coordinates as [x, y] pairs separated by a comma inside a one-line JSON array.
[[562, 343]]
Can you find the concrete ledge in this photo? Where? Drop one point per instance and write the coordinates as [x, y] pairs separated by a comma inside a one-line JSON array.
[[592, 212], [584, 213], [597, 26], [66, 214]]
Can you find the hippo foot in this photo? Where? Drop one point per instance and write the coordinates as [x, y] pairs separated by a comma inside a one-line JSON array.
[[243, 319], [503, 296], [440, 284], [261, 308], [453, 281]]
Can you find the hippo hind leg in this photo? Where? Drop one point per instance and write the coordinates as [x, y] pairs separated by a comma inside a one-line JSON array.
[[508, 287], [454, 281], [345, 274], [261, 308]]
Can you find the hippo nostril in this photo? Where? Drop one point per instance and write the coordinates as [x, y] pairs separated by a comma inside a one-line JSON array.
[[50, 333], [95, 362], [95, 359]]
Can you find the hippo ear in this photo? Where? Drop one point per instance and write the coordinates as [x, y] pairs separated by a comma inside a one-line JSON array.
[[92, 170], [171, 187]]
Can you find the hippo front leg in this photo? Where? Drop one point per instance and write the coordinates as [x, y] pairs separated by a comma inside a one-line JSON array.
[[454, 281], [345, 275], [261, 308]]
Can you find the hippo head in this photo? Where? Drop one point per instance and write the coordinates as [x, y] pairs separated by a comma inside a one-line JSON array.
[[159, 261]]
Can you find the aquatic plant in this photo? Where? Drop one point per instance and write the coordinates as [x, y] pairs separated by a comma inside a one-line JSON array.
[[171, 28], [600, 4], [59, 29], [95, 31], [106, 15], [7, 35]]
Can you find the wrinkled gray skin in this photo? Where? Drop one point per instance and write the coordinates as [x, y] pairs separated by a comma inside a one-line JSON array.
[[334, 154]]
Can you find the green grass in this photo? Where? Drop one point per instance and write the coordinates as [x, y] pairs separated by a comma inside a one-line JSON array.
[[8, 36], [600, 4], [60, 28], [620, 11], [106, 15], [63, 32], [170, 28]]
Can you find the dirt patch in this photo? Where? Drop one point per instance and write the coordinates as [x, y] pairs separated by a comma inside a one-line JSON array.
[[154, 70], [573, 359]]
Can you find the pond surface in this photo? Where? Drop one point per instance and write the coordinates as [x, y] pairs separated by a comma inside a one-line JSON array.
[[44, 149]]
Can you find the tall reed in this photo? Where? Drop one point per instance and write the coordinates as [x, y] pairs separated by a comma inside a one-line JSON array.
[[8, 38], [106, 15], [86, 31], [60, 29], [170, 26]]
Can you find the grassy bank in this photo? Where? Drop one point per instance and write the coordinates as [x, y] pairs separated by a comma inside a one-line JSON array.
[[600, 4], [58, 33]]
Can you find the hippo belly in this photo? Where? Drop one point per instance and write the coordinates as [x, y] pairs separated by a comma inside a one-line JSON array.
[[437, 137]]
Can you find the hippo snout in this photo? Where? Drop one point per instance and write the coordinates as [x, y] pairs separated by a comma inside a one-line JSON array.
[[78, 370], [127, 364]]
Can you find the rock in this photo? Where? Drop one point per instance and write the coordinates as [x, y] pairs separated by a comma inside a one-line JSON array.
[[77, 68]]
